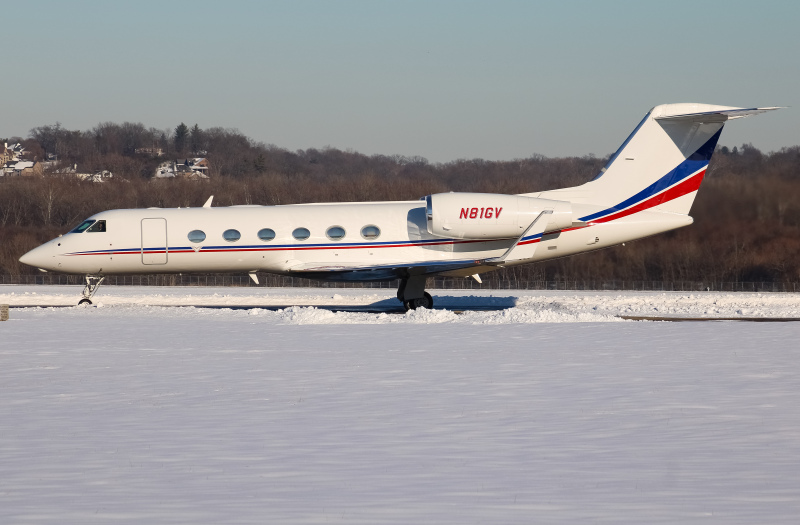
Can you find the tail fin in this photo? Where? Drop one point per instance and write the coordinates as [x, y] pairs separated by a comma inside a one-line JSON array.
[[660, 165]]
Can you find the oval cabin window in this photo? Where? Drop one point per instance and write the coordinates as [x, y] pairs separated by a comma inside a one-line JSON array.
[[335, 233], [267, 234], [301, 234], [197, 236], [370, 232], [231, 235]]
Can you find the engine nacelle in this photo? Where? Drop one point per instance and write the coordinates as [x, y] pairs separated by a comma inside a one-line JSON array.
[[490, 215]]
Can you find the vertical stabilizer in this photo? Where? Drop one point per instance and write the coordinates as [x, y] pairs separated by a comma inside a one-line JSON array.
[[660, 165]]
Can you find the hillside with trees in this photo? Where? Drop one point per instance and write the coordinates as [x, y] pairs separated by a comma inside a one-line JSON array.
[[747, 213]]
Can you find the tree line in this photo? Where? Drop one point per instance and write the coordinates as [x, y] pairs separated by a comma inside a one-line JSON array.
[[747, 212]]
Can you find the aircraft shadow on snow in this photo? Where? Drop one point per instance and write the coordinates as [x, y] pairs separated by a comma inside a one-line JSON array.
[[443, 302]]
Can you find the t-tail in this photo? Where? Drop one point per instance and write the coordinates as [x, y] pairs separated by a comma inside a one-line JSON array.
[[660, 165]]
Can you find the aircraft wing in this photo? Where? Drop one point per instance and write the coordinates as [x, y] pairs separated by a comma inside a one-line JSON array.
[[367, 272]]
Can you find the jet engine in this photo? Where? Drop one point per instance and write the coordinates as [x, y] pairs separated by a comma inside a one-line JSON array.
[[490, 215]]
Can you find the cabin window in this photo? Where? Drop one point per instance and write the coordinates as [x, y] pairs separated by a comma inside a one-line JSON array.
[[197, 236], [335, 233], [99, 226], [266, 234], [370, 232], [301, 234], [231, 235], [82, 226]]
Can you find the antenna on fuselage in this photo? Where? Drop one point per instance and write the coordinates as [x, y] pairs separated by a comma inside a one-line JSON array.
[[208, 202]]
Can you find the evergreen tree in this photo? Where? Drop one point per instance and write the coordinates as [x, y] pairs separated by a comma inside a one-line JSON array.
[[181, 134], [260, 164], [196, 139]]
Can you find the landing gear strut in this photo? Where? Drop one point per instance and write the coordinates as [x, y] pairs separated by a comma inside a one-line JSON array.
[[412, 293], [92, 284]]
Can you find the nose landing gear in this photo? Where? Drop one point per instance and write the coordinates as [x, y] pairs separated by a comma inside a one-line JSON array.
[[413, 295], [92, 284]]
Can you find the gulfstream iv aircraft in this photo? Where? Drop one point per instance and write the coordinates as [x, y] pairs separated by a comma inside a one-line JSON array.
[[647, 187]]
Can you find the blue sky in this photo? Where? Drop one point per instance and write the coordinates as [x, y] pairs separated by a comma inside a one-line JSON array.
[[440, 79]]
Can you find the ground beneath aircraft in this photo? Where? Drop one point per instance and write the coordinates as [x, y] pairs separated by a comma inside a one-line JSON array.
[[551, 410], [492, 306]]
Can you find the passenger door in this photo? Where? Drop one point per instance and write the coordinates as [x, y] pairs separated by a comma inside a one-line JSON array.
[[154, 241]]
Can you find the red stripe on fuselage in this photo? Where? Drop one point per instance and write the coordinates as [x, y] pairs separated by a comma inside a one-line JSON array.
[[679, 190]]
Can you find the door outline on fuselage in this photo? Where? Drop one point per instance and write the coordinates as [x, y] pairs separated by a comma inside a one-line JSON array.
[[154, 241]]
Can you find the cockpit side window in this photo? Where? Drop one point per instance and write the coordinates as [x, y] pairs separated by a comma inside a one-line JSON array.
[[99, 226], [82, 226]]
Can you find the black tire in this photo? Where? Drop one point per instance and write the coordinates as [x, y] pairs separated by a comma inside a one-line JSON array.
[[84, 301], [425, 301]]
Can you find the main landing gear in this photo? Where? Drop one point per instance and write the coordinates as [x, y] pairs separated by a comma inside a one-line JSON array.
[[413, 295], [92, 284]]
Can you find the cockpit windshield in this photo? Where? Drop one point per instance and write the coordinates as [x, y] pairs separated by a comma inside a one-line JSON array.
[[99, 226], [91, 226], [82, 226]]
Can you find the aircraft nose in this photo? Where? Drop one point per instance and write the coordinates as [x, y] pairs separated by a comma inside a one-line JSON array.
[[39, 257]]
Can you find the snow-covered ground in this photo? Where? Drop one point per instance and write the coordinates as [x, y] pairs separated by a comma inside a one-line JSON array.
[[510, 306], [540, 413]]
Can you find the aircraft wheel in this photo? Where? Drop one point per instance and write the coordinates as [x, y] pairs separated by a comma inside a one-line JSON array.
[[84, 301], [423, 302]]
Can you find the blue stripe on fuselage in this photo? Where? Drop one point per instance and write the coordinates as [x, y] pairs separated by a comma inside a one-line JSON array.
[[696, 161]]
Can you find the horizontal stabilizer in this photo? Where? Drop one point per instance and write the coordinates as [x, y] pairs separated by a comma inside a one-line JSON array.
[[719, 115]]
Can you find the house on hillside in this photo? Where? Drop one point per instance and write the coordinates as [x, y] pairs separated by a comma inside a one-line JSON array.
[[165, 170], [195, 169], [72, 171], [197, 165], [67, 170], [24, 168], [11, 153], [13, 165], [152, 152], [7, 168], [98, 176], [16, 150]]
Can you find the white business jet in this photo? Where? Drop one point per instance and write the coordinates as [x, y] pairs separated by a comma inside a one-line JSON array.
[[647, 187]]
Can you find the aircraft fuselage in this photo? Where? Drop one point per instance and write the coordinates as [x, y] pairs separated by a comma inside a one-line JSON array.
[[157, 240]]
